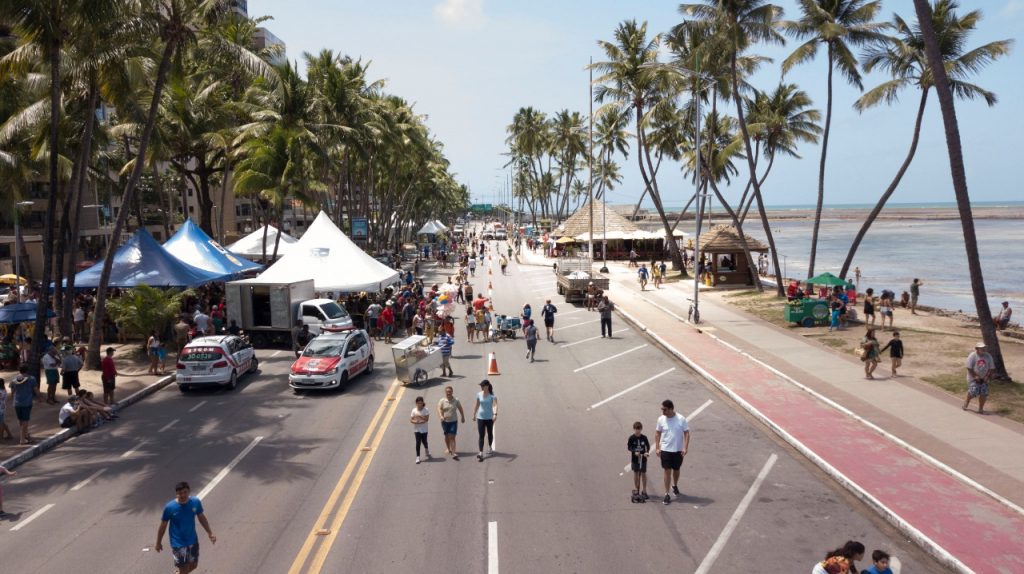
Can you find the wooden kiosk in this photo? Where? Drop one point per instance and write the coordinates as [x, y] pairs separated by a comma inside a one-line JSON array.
[[727, 265]]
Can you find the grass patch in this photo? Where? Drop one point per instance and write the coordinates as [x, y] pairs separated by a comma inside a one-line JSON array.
[[1006, 399], [835, 343]]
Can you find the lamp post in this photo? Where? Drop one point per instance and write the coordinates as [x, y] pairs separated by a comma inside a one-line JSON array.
[[17, 245]]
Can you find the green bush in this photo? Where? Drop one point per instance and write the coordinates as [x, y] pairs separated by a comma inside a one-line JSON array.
[[143, 309]]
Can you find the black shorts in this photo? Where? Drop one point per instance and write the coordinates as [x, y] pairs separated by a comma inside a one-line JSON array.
[[70, 380], [638, 463], [108, 384], [68, 423], [671, 460], [550, 323]]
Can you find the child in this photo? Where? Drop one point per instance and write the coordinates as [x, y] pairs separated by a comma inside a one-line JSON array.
[[895, 346], [881, 566], [8, 473], [639, 449], [836, 306]]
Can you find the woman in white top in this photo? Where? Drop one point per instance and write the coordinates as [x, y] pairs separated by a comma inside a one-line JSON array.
[[153, 348], [419, 417]]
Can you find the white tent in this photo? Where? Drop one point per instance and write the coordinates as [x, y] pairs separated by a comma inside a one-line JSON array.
[[440, 225], [430, 228], [252, 245], [331, 260]]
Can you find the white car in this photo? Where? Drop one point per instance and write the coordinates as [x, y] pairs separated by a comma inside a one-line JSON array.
[[216, 360], [330, 360]]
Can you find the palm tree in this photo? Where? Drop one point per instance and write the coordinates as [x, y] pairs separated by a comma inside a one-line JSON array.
[[904, 58], [568, 145], [609, 137], [839, 25], [945, 91]]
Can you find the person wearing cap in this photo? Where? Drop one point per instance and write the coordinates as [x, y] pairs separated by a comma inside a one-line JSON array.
[[979, 371], [1002, 320]]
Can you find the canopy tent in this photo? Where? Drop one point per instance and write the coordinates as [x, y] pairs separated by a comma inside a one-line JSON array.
[[20, 313], [334, 263], [430, 228], [142, 261], [252, 245], [193, 246], [439, 225], [826, 279]]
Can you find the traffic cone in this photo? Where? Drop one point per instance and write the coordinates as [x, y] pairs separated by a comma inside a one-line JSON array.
[[489, 271], [492, 368], [489, 288]]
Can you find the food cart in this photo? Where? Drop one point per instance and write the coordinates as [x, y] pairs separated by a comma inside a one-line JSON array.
[[415, 357], [807, 312]]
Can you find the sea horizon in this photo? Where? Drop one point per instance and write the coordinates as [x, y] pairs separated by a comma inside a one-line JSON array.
[[890, 205]]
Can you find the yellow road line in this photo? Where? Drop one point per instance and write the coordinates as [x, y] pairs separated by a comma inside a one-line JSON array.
[[332, 501]]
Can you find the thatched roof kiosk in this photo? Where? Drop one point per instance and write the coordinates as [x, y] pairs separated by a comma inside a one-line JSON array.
[[727, 264], [579, 223]]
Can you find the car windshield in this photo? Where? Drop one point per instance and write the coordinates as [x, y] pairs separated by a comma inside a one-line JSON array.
[[324, 348], [334, 311]]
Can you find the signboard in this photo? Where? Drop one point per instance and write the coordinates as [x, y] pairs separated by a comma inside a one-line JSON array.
[[481, 207], [360, 228]]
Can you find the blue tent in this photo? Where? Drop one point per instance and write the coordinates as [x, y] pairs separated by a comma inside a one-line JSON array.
[[20, 313], [193, 246], [142, 261]]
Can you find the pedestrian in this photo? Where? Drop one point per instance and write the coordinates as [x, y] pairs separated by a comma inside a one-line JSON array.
[[419, 417], [656, 273], [78, 317], [632, 258], [869, 353], [153, 349], [834, 309], [869, 306], [446, 342], [470, 324], [108, 376], [5, 432], [503, 262], [4, 471], [664, 271], [51, 369], [671, 443], [485, 413], [387, 321], [880, 563], [885, 307], [472, 266], [181, 514], [639, 449], [489, 334], [530, 334], [1002, 320], [591, 294], [605, 308], [915, 292], [23, 389], [856, 275], [372, 318], [979, 371], [526, 316], [447, 409], [895, 346], [641, 275], [548, 312]]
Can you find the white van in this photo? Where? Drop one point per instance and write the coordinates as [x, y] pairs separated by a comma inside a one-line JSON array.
[[324, 315]]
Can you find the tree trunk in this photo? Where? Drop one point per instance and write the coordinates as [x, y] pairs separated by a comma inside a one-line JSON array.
[[644, 153], [751, 266], [223, 198], [821, 169], [96, 334], [889, 191], [963, 199]]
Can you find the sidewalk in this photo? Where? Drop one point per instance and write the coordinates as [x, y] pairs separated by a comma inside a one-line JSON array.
[[907, 450]]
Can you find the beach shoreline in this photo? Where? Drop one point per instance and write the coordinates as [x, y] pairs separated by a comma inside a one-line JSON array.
[[859, 214]]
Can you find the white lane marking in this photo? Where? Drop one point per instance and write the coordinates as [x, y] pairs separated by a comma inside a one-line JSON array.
[[276, 353], [665, 309], [193, 409], [699, 409], [82, 484], [133, 450], [578, 324], [636, 386], [590, 339], [231, 465], [31, 517], [595, 363], [723, 538], [168, 425], [492, 547]]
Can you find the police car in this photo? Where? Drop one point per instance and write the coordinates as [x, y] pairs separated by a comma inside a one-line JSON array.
[[217, 360], [330, 360]]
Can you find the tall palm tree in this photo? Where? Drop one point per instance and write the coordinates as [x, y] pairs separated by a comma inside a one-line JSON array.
[[945, 91], [740, 24], [839, 25], [610, 137], [903, 56], [568, 145]]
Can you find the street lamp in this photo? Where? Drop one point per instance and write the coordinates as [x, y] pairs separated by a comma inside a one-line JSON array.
[[17, 245]]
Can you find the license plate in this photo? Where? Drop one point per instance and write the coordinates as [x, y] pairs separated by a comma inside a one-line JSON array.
[[200, 368]]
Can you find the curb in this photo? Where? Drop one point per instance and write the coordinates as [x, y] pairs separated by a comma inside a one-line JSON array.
[[927, 544], [65, 434]]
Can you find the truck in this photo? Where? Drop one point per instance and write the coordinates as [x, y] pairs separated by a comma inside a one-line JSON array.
[[268, 312], [574, 274]]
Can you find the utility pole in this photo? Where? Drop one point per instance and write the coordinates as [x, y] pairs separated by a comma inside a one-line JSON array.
[[695, 312], [590, 163]]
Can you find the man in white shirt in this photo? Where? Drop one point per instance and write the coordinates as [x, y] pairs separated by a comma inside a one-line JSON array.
[[202, 321], [73, 415], [671, 440], [78, 315]]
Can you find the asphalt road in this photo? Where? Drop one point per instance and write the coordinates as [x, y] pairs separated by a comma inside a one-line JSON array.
[[327, 482]]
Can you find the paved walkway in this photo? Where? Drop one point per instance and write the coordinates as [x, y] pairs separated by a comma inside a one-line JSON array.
[[949, 479]]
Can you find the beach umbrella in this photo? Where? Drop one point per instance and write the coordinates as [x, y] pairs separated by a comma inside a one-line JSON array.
[[20, 313], [826, 279], [11, 279], [566, 239]]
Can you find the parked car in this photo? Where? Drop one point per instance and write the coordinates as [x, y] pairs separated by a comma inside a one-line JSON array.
[[501, 235], [216, 360], [331, 359]]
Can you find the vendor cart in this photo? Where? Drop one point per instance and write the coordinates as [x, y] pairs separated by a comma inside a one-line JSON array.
[[508, 326], [807, 312], [415, 357]]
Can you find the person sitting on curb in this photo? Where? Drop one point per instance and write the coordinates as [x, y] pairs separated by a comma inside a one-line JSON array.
[[98, 409], [73, 414]]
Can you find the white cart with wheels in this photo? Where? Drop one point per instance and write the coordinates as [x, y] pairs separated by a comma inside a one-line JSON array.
[[415, 357]]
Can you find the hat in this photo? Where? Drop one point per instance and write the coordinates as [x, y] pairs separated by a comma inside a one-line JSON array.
[[980, 345]]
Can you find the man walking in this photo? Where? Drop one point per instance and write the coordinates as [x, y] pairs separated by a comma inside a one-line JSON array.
[[181, 514], [915, 292], [605, 308], [530, 332], [23, 389], [51, 369], [446, 342], [672, 441], [447, 409], [979, 370], [548, 312]]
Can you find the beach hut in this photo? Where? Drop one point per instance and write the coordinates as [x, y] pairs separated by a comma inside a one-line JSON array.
[[727, 264], [609, 224]]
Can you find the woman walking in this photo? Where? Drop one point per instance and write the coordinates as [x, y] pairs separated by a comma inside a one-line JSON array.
[[449, 410], [153, 347], [419, 417], [485, 413], [869, 353]]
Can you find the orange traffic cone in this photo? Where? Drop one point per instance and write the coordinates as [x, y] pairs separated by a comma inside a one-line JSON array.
[[489, 271], [492, 368], [489, 288]]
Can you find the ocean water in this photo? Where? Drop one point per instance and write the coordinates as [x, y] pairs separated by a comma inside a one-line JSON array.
[[894, 252]]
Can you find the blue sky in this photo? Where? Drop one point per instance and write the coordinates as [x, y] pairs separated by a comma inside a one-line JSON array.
[[470, 64]]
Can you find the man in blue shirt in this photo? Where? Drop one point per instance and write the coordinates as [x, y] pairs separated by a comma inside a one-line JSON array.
[[23, 389], [181, 513], [548, 312], [446, 342]]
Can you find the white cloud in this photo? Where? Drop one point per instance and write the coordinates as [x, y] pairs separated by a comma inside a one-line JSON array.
[[462, 13], [1013, 7]]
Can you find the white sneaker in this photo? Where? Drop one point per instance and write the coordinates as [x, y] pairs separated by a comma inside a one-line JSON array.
[[417, 460]]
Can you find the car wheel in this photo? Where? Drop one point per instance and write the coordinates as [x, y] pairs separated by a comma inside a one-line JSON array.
[[808, 322], [343, 382], [183, 389], [369, 365], [255, 365], [233, 381]]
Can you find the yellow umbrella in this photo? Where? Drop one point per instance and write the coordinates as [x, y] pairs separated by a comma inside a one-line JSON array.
[[565, 239], [11, 279]]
